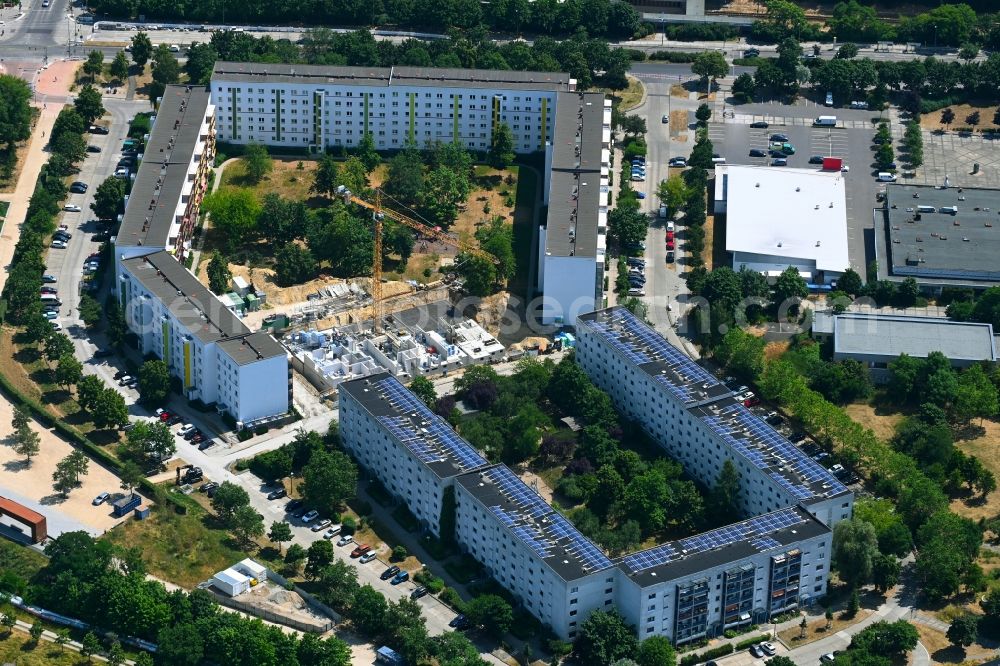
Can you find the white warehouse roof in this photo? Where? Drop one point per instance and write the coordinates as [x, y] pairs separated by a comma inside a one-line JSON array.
[[785, 213]]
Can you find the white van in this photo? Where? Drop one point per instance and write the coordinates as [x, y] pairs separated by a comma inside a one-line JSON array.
[[50, 298], [884, 177], [951, 210], [718, 160], [825, 121], [926, 209]]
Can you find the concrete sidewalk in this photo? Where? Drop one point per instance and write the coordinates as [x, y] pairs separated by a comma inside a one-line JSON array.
[[33, 161]]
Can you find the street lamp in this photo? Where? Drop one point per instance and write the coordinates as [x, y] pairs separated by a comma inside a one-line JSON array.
[[935, 36]]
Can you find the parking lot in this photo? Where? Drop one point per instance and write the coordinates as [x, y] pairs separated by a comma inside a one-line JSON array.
[[734, 141]]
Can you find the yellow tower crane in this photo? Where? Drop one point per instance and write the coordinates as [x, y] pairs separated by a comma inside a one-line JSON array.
[[379, 213]]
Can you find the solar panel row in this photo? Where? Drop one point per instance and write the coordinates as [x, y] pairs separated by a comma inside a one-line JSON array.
[[758, 526]]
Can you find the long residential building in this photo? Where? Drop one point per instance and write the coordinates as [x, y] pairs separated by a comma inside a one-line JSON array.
[[217, 359], [412, 451], [776, 559], [318, 107]]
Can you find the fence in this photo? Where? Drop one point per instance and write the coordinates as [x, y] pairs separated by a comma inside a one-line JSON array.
[[317, 627]]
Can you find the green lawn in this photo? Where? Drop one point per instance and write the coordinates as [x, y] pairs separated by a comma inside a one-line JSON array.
[[524, 219], [20, 560], [4, 205], [183, 549], [17, 648]]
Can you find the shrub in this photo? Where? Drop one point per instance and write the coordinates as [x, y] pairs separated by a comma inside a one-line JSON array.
[[744, 644], [399, 554], [721, 651], [349, 526], [450, 597]]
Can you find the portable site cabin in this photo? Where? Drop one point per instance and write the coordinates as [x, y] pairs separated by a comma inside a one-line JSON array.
[[231, 582]]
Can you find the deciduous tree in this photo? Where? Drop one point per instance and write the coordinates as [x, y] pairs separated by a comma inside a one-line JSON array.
[[328, 480], [257, 162], [154, 382], [219, 275], [501, 151], [119, 67], [26, 443], [142, 49], [88, 103]]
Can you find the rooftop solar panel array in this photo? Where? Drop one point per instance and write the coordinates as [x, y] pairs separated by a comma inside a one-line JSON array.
[[536, 524], [640, 345], [770, 452], [751, 531], [424, 432]]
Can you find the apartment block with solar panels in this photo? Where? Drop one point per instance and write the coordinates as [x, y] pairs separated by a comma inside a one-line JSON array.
[[772, 562]]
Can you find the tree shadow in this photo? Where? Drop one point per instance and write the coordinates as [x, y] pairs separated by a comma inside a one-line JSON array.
[[27, 355], [41, 376], [104, 437], [949, 655], [968, 431], [270, 553], [54, 498], [56, 396], [16, 465], [77, 418]]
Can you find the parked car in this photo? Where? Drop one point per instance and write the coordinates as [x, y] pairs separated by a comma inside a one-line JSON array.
[[777, 154], [206, 444], [757, 152], [103, 353], [816, 159], [72, 208], [98, 129], [418, 592], [78, 187], [756, 651], [677, 162], [751, 401], [360, 550], [401, 577], [390, 572], [58, 245], [367, 557], [780, 138], [131, 383], [332, 532], [276, 494], [211, 485], [344, 540], [779, 161], [93, 149], [101, 499], [459, 622], [636, 292], [768, 649], [828, 657], [640, 195], [165, 416], [665, 119], [751, 53], [124, 380], [50, 279], [322, 525], [310, 516], [759, 124]]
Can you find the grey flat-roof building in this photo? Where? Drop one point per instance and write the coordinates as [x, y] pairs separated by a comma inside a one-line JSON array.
[[939, 236], [571, 244], [876, 340]]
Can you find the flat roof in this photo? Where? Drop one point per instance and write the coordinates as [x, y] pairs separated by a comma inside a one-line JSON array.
[[530, 519], [941, 246], [892, 335], [785, 213], [198, 309], [434, 77], [575, 187], [767, 533], [156, 191], [643, 347], [428, 437]]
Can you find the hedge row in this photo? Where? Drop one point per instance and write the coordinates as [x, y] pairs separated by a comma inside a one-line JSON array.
[[692, 659], [744, 644]]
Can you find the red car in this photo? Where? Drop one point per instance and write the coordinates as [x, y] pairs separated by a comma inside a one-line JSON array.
[[165, 416], [360, 550], [751, 401], [670, 244], [670, 235]]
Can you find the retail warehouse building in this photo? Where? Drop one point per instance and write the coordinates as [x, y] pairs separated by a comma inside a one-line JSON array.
[[775, 560], [939, 236], [778, 217]]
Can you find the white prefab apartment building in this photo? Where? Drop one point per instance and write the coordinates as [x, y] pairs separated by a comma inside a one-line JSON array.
[[413, 452], [317, 107], [772, 562], [535, 552], [217, 359]]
